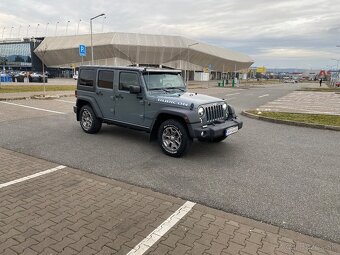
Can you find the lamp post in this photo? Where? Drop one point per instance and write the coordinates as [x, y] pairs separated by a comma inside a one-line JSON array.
[[187, 68], [104, 18], [10, 33], [46, 28], [28, 27], [19, 31], [36, 31], [56, 28], [67, 26], [91, 34], [78, 27]]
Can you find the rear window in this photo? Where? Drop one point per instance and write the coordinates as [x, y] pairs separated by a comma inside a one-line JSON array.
[[105, 79], [87, 77]]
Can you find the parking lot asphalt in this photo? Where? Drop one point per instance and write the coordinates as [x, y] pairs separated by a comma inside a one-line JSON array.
[[286, 176], [51, 209]]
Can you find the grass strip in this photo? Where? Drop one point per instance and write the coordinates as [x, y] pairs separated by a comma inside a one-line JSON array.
[[322, 119], [35, 88], [320, 89]]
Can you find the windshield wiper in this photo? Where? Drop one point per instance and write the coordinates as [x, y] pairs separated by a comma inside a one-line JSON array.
[[159, 89], [180, 88]]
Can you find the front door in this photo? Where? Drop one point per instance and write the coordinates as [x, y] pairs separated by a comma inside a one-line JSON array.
[[129, 107], [104, 93]]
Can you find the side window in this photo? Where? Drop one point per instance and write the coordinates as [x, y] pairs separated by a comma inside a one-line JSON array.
[[127, 79], [105, 79], [87, 77]]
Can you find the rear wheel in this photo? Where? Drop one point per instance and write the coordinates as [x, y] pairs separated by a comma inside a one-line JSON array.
[[173, 138], [89, 121]]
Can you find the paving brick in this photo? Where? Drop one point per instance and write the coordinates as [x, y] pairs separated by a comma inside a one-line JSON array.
[[61, 245], [19, 248], [285, 247], [180, 249], [233, 248], [229, 229], [255, 238], [216, 248], [47, 242], [251, 248], [80, 244], [171, 240], [189, 239], [268, 248], [161, 249]]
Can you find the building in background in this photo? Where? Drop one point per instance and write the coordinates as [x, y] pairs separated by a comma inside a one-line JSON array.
[[60, 54], [129, 49]]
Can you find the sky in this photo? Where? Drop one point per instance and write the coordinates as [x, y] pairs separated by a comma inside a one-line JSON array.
[[276, 34]]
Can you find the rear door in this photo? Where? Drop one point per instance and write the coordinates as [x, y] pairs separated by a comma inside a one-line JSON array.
[[105, 93]]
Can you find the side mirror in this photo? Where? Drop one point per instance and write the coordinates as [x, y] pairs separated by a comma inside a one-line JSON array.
[[134, 89]]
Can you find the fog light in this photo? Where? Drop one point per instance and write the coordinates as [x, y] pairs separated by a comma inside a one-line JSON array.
[[203, 133]]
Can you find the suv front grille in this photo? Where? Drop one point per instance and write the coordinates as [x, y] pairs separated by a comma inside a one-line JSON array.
[[214, 113]]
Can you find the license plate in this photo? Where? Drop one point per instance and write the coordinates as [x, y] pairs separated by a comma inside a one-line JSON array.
[[231, 130]]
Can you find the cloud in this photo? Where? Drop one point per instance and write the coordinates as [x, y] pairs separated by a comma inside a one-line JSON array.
[[273, 33]]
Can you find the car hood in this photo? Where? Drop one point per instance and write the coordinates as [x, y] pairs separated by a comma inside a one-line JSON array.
[[185, 99]]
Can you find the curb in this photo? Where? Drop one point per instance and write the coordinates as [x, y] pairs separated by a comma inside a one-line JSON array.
[[291, 123], [33, 97]]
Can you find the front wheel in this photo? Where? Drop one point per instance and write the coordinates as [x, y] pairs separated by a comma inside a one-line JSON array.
[[89, 121], [173, 138]]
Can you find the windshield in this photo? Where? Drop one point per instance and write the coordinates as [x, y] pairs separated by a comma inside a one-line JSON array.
[[161, 81]]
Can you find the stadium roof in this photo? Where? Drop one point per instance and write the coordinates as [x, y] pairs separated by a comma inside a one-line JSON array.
[[123, 49]]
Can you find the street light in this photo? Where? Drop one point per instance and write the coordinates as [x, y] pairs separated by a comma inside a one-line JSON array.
[[67, 26], [36, 31], [19, 31], [28, 27], [56, 28], [187, 69], [46, 28], [104, 18], [10, 33], [91, 34], [78, 26]]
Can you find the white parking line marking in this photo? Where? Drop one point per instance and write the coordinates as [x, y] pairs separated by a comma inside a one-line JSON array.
[[162, 229], [232, 94], [65, 101], [264, 95], [34, 108], [3, 185]]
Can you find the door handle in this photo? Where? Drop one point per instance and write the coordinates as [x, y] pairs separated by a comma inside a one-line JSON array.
[[99, 93], [119, 96]]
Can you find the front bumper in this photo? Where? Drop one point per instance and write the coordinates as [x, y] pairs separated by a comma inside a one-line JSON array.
[[213, 130]]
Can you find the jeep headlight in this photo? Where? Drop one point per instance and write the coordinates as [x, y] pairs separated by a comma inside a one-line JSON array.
[[200, 111], [224, 106]]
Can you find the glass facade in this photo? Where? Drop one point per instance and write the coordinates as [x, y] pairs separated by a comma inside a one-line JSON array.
[[16, 54]]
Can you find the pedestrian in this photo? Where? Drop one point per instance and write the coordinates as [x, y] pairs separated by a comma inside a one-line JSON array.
[[320, 82]]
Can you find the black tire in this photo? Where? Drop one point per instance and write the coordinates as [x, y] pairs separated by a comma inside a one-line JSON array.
[[88, 120], [178, 142]]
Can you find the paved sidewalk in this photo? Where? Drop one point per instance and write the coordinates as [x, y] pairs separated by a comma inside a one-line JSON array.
[[306, 102], [73, 212]]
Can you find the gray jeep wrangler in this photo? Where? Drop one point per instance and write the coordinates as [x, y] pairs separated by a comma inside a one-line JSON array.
[[152, 100]]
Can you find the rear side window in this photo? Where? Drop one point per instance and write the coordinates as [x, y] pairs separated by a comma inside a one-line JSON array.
[[87, 77], [127, 79], [105, 79]]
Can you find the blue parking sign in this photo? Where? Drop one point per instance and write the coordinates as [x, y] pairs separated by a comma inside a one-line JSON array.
[[82, 50]]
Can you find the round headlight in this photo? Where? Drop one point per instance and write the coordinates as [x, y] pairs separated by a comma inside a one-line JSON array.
[[200, 111], [224, 106]]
